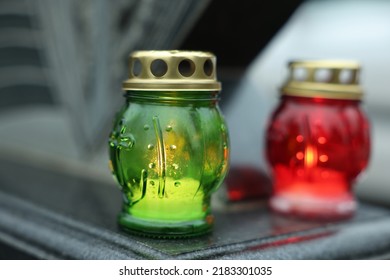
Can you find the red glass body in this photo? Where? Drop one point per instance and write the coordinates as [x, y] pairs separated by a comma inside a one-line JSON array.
[[316, 148]]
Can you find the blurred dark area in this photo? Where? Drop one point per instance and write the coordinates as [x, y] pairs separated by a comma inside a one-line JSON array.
[[61, 68], [238, 31]]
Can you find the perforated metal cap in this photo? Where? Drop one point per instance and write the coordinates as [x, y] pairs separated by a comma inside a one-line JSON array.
[[335, 79], [172, 70]]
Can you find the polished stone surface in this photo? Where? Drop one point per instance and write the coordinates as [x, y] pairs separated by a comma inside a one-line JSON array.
[[52, 215]]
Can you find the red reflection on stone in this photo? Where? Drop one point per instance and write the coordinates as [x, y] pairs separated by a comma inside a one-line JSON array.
[[290, 240], [246, 182]]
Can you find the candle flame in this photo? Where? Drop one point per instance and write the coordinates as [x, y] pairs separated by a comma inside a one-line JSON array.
[[310, 156]]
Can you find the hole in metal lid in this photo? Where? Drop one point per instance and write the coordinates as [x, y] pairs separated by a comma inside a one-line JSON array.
[[299, 74], [323, 75], [186, 67], [208, 67], [137, 67], [159, 68], [346, 77]]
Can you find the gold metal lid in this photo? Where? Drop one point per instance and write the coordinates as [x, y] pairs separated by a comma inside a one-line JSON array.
[[172, 70], [335, 79]]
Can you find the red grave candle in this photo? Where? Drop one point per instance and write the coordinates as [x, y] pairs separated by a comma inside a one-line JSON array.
[[318, 140]]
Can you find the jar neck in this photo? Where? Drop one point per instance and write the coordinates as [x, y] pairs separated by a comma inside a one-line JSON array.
[[320, 100], [174, 97]]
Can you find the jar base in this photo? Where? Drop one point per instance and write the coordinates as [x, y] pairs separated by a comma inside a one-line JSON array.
[[314, 208], [168, 230]]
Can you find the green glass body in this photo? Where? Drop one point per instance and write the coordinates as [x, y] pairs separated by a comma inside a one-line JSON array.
[[169, 152]]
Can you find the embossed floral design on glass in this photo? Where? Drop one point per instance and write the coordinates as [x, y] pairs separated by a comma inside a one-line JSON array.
[[169, 147], [318, 140]]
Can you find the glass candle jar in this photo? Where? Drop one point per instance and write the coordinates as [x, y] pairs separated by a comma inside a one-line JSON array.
[[318, 140], [169, 146]]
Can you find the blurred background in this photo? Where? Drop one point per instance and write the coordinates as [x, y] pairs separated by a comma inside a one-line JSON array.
[[62, 64]]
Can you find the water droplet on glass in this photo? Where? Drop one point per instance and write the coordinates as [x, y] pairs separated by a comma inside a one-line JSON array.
[[168, 128], [152, 165], [150, 147], [299, 138], [127, 141], [146, 127], [177, 184], [321, 140], [112, 143], [299, 155], [323, 158], [175, 166], [172, 147]]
